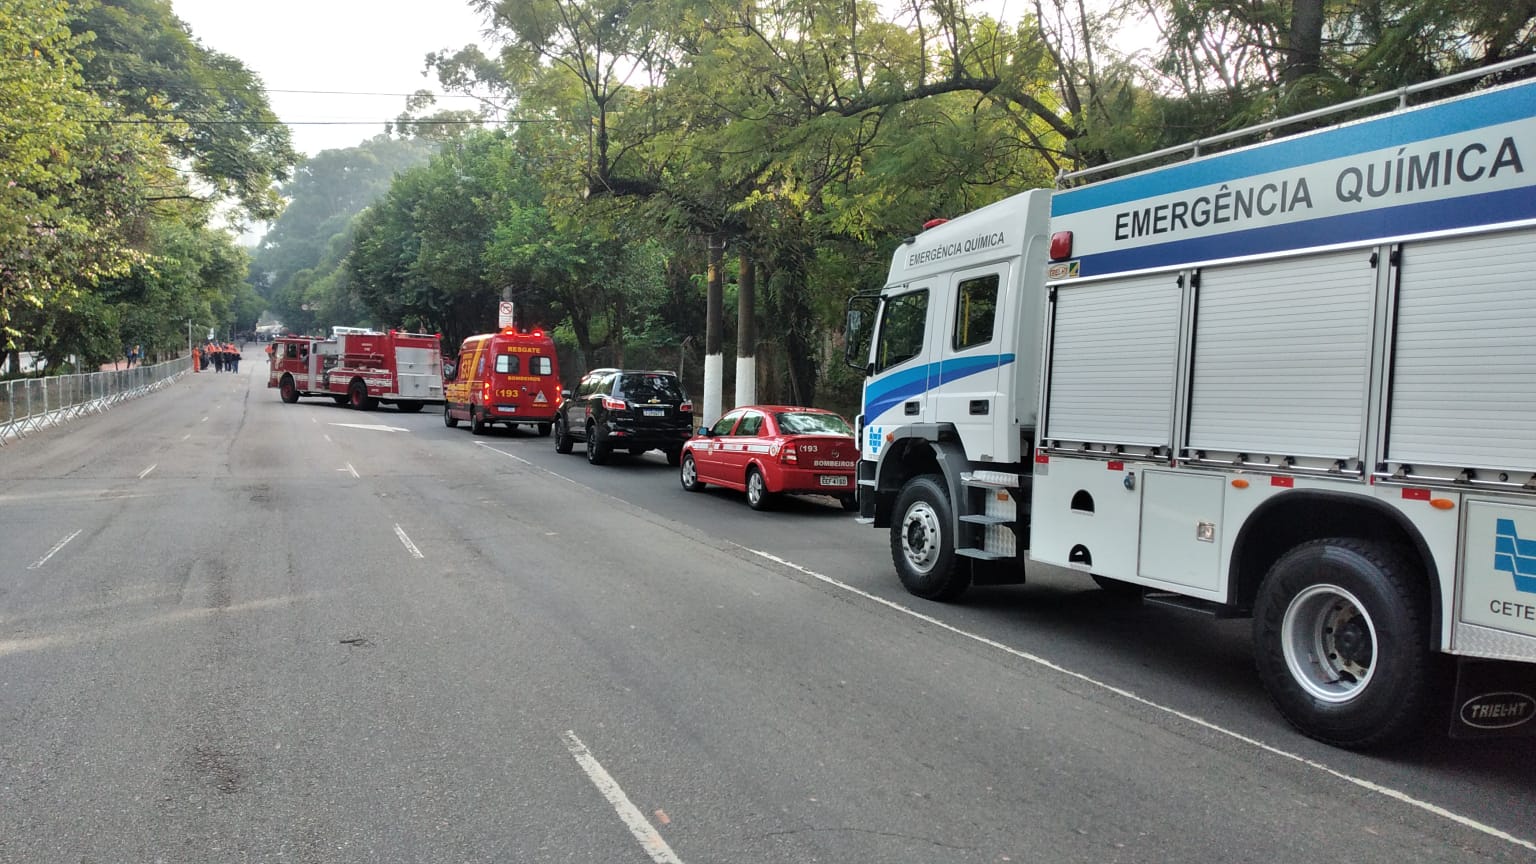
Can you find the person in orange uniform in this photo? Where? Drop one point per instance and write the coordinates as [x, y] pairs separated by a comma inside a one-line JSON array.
[[197, 357]]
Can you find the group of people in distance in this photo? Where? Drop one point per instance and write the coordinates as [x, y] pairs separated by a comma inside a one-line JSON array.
[[224, 356]]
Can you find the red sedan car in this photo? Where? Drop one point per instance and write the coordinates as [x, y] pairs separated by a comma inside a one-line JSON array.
[[769, 450]]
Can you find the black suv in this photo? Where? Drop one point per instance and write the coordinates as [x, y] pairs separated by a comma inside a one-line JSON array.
[[625, 409]]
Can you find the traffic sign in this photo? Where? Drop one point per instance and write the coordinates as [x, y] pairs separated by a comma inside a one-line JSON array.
[[504, 314]]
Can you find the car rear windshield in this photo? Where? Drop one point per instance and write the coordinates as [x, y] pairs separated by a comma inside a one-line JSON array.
[[645, 385], [806, 423]]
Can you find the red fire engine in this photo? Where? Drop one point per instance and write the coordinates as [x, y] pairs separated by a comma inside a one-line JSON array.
[[360, 367]]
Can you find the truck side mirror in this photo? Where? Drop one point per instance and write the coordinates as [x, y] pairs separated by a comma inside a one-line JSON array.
[[858, 328]]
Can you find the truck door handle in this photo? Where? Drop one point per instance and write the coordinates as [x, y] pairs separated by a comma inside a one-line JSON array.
[[981, 406], [910, 408]]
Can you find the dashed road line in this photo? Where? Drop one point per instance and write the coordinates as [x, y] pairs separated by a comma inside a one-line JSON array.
[[1386, 791], [409, 546], [349, 469], [650, 839], [54, 551], [145, 472]]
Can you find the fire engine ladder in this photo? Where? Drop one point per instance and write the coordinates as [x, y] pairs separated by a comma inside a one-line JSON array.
[[989, 516]]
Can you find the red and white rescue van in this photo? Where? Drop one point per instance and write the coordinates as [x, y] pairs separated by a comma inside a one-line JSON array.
[[360, 367], [510, 376]]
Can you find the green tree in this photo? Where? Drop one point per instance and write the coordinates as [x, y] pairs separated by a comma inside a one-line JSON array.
[[210, 109]]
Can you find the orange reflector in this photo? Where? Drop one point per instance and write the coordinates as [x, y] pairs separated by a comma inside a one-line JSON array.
[[1239, 483], [1441, 503]]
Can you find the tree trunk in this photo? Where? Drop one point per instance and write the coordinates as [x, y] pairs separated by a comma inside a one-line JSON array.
[[1305, 49]]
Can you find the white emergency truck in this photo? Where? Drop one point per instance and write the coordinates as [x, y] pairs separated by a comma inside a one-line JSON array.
[[1293, 381]]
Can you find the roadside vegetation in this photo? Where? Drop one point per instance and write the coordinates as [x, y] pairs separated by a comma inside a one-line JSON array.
[[620, 152]]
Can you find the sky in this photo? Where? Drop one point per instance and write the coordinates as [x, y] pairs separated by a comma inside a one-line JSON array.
[[351, 46], [355, 47]]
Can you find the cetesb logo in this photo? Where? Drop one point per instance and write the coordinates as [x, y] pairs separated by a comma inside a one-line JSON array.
[[1514, 556], [876, 439]]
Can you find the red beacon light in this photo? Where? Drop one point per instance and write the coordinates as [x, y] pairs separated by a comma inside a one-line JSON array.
[[1061, 245], [934, 223]]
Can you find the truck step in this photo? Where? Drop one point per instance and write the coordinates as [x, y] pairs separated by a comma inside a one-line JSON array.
[[978, 519], [990, 479], [981, 554], [1190, 604]]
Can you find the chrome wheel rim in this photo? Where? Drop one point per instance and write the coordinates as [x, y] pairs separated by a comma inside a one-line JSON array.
[[920, 537], [1329, 642], [690, 472], [755, 488]]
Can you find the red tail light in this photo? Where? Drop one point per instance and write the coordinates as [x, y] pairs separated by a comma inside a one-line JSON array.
[[685, 408], [613, 404], [789, 455], [485, 391]]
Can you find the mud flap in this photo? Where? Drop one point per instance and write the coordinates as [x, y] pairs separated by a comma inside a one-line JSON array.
[[1494, 699]]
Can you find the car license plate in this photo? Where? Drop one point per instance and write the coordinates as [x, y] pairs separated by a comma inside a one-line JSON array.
[[654, 412], [833, 480]]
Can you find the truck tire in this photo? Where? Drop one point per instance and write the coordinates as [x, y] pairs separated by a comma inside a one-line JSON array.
[[758, 496], [357, 396], [476, 425], [543, 430], [923, 543], [1341, 641], [563, 440], [449, 420], [287, 390]]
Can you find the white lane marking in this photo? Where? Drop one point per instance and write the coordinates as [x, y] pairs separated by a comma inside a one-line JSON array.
[[204, 420], [145, 472], [650, 839], [409, 546], [350, 469], [186, 436], [327, 438], [372, 427], [54, 551], [505, 453], [1363, 783], [571, 480]]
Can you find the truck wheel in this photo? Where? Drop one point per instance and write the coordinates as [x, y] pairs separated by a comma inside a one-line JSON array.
[[850, 502], [922, 541], [544, 430], [358, 396], [758, 496], [449, 420], [476, 425], [1341, 641], [689, 475], [597, 451], [286, 389], [563, 439]]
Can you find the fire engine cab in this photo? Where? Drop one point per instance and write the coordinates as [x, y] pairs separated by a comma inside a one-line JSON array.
[[360, 367]]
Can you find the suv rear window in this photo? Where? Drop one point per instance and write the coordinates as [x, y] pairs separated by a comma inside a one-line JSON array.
[[649, 385]]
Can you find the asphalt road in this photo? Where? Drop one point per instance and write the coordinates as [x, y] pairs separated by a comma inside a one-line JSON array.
[[237, 630]]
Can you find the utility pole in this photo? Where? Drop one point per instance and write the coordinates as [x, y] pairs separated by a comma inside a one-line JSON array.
[[189, 337]]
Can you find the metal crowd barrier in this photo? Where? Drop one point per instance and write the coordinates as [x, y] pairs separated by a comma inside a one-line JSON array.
[[30, 404]]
